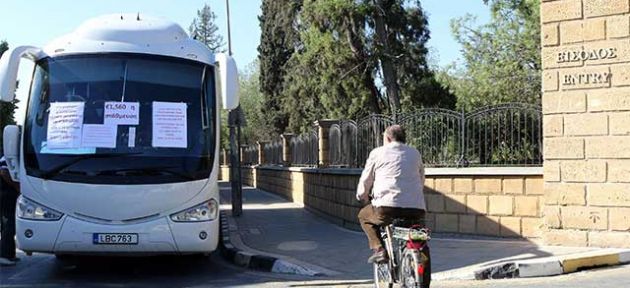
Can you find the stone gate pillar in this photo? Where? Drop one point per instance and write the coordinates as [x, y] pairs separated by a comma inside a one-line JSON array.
[[586, 122], [286, 148], [261, 152], [323, 127], [243, 148]]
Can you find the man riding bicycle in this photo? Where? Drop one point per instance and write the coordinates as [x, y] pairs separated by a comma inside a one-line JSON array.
[[395, 174]]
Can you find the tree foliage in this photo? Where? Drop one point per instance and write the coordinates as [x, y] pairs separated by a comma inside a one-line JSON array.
[[403, 43], [252, 103], [7, 109], [501, 58], [344, 59], [279, 39], [204, 29], [331, 75]]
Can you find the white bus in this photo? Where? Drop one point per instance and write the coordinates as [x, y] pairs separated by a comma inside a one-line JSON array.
[[118, 152]]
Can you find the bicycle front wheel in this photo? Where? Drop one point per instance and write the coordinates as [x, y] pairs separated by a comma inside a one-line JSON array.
[[382, 276]]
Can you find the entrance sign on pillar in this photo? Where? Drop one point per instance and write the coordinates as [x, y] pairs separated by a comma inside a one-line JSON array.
[[585, 63]]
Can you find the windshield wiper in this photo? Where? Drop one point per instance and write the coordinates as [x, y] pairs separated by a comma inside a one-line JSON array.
[[151, 170], [56, 170]]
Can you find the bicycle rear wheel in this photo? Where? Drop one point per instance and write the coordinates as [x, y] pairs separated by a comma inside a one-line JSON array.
[[411, 274], [382, 276]]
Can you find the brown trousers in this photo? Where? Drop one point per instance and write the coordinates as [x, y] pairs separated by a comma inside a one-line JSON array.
[[372, 218]]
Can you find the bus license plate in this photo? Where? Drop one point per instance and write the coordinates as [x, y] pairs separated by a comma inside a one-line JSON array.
[[115, 238]]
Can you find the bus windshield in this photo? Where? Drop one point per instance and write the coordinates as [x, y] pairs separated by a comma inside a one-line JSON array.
[[120, 119]]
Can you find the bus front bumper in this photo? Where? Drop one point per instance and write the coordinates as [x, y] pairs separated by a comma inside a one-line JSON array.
[[70, 235]]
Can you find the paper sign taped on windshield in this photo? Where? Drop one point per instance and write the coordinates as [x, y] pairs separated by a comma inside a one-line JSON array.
[[131, 140], [122, 113], [169, 125], [65, 121], [99, 136], [65, 151]]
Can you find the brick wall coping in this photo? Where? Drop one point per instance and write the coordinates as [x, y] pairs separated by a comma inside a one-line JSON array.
[[471, 171]]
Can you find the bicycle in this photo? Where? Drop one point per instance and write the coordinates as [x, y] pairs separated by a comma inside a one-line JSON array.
[[408, 261]]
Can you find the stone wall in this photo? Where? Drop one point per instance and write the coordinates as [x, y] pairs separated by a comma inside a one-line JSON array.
[[586, 106], [503, 202]]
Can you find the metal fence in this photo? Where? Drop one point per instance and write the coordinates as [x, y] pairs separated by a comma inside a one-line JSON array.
[[500, 135], [506, 134], [273, 152], [305, 149], [250, 155], [342, 141]]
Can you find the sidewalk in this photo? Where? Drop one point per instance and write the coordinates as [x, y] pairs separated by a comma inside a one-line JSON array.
[[272, 226]]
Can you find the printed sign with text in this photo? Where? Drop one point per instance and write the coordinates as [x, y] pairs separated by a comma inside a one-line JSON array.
[[122, 113], [169, 125], [99, 136]]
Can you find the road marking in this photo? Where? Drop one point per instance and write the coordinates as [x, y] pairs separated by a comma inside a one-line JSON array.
[[573, 264]]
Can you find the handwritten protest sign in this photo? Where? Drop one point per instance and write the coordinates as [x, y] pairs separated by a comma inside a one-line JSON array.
[[122, 113], [169, 125], [65, 121]]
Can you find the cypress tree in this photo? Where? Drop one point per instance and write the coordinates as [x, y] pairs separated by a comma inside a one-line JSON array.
[[278, 41]]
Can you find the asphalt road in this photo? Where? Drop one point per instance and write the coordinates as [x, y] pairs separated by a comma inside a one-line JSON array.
[[194, 271], [42, 270]]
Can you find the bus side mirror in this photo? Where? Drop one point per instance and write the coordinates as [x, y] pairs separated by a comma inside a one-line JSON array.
[[11, 145], [228, 80], [9, 65]]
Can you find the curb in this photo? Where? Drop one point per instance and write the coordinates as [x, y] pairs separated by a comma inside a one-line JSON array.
[[551, 266], [257, 262]]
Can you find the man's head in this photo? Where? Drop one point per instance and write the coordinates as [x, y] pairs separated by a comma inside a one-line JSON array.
[[394, 133]]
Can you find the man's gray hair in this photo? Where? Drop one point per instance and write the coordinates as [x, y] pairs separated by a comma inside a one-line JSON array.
[[396, 133]]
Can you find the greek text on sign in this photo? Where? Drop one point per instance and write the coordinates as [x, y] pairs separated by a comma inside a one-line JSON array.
[[122, 113], [587, 55], [169, 125], [65, 121]]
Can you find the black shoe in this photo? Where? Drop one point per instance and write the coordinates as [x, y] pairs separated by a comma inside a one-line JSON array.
[[379, 256]]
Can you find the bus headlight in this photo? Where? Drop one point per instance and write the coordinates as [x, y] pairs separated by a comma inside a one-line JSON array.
[[203, 212], [31, 210]]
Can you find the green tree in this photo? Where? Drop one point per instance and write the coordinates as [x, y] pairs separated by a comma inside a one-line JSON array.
[[348, 49], [501, 58], [252, 104], [278, 40], [204, 30], [7, 109], [401, 44], [332, 74], [344, 59]]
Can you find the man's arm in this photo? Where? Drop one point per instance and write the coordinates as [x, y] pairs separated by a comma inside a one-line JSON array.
[[367, 178]]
